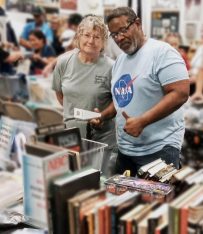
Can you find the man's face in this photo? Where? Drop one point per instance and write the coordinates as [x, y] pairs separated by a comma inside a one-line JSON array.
[[127, 35], [39, 19]]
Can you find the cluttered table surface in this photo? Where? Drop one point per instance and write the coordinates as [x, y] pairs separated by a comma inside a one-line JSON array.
[[41, 93]]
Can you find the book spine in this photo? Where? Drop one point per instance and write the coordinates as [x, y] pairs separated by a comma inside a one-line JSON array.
[[113, 220], [183, 220], [152, 224], [101, 220], [121, 227], [176, 220], [134, 227], [107, 220], [171, 220], [128, 227]]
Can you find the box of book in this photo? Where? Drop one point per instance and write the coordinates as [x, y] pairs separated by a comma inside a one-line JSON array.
[[41, 164], [84, 153], [157, 189]]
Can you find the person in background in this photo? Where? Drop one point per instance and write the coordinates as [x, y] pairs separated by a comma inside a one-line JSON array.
[[57, 29], [197, 71], [82, 79], [149, 85], [39, 24], [67, 39], [7, 58], [42, 52], [10, 33], [174, 39], [68, 35]]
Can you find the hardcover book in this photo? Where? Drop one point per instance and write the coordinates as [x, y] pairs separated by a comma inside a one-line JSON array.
[[66, 187]]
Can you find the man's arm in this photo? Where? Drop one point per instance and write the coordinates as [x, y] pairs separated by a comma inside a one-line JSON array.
[[13, 57], [176, 94], [25, 43], [59, 96], [49, 67], [108, 113]]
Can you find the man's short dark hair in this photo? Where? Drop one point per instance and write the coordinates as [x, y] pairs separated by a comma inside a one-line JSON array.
[[38, 10], [74, 19], [120, 11]]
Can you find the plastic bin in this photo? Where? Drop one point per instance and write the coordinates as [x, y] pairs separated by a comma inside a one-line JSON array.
[[92, 154], [14, 87]]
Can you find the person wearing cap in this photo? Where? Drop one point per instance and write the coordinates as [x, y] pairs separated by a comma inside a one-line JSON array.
[[40, 24], [150, 83]]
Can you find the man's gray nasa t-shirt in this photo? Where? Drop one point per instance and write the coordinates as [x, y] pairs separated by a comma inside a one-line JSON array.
[[137, 86]]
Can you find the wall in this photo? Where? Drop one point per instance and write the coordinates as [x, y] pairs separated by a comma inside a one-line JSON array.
[[18, 21]]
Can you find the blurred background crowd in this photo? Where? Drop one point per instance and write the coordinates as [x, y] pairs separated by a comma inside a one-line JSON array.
[[34, 33]]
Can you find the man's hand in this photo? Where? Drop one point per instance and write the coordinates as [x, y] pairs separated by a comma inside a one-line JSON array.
[[97, 122], [134, 125]]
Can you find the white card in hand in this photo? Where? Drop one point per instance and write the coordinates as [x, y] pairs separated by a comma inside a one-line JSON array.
[[85, 114]]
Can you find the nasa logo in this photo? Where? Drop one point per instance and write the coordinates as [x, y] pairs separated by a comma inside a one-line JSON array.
[[123, 90]]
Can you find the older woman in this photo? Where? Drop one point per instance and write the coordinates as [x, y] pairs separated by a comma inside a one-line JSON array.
[[43, 53], [82, 79]]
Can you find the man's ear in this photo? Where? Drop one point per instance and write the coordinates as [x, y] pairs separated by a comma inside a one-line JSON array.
[[138, 21]]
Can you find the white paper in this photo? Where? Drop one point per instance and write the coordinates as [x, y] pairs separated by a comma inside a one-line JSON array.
[[85, 114]]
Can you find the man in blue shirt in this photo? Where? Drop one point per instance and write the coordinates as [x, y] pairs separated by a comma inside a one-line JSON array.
[[39, 23], [149, 85]]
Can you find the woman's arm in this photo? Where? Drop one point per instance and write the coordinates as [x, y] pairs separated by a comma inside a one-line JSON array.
[[59, 96]]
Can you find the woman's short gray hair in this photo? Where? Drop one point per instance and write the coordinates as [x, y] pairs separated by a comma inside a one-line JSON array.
[[93, 22]]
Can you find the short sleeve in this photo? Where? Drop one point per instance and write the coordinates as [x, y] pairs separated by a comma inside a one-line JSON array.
[[59, 70], [173, 73], [25, 34], [57, 75], [170, 66]]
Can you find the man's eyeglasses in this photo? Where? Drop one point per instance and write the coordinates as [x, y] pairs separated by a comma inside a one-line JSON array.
[[122, 31]]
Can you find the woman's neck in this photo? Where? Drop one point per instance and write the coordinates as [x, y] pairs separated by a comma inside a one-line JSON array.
[[87, 58]]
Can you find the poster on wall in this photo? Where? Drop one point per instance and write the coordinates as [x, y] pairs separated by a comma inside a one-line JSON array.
[[191, 31], [68, 5], [165, 4], [20, 5], [192, 10]]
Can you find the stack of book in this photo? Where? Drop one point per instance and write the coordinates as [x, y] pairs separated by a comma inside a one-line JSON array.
[[157, 170], [186, 212]]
